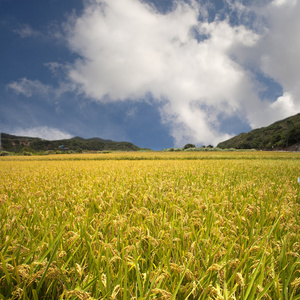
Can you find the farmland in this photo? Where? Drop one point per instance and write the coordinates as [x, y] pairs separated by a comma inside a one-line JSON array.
[[150, 226]]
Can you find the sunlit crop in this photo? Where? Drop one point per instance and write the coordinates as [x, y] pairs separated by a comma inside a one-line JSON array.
[[150, 226]]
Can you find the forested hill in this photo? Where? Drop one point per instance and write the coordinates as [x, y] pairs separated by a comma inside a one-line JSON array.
[[14, 143], [280, 135]]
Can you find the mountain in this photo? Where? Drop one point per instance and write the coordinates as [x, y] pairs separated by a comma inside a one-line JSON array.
[[15, 143], [279, 135], [95, 139]]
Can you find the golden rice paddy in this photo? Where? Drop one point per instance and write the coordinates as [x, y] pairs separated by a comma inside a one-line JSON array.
[[150, 226]]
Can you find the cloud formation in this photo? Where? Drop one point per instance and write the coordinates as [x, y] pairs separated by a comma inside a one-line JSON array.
[[26, 31], [45, 132], [127, 49], [279, 50], [198, 72], [27, 87]]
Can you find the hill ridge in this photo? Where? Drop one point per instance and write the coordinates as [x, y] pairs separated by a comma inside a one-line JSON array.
[[14, 143], [280, 135]]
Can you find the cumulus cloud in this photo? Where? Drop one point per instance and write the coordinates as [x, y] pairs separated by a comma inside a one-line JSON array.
[[44, 132], [284, 106], [127, 49], [279, 50], [276, 54], [198, 72]]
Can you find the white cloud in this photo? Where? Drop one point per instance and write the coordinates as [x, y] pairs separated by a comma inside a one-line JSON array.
[[280, 48], [284, 105], [44, 132], [284, 2], [26, 31], [29, 87], [54, 67], [277, 55], [131, 112], [128, 49]]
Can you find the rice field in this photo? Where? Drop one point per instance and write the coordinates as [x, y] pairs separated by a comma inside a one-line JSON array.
[[150, 226]]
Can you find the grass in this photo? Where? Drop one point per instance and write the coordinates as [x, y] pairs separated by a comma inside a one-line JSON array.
[[150, 226]]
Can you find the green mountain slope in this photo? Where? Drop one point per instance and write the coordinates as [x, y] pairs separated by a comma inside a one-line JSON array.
[[95, 139], [14, 143], [280, 135]]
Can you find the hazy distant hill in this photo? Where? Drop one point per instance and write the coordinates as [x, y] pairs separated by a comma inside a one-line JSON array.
[[280, 135], [17, 143], [95, 139]]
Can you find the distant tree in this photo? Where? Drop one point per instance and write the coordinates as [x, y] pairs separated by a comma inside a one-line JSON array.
[[187, 146], [27, 149], [78, 149], [276, 138], [26, 153], [4, 153]]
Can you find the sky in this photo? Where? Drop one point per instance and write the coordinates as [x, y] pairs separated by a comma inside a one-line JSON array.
[[157, 73]]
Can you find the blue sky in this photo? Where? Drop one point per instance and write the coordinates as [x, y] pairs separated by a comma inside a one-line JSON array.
[[156, 73]]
